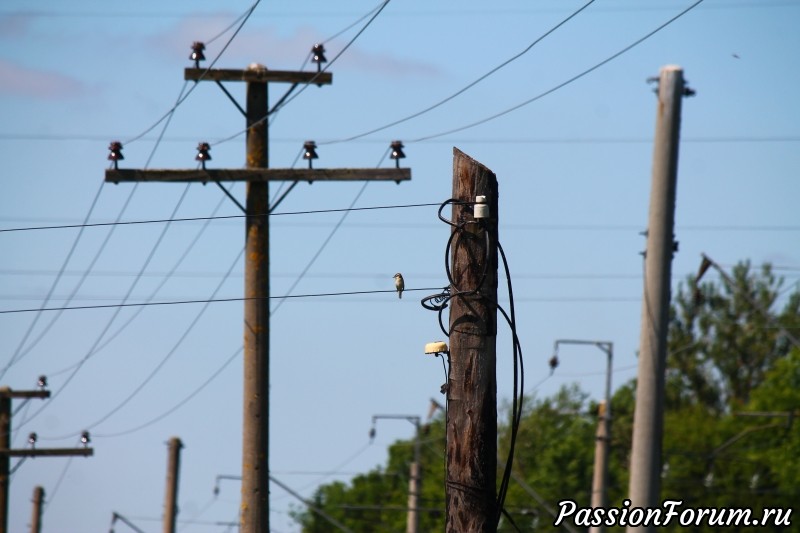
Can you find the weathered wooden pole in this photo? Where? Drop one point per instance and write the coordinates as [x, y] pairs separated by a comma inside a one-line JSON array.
[[171, 493], [36, 514], [5, 460], [255, 442], [471, 460]]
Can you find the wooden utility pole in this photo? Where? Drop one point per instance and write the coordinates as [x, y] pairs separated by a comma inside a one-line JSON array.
[[471, 460], [648, 422], [171, 494], [36, 517], [5, 460], [255, 442], [6, 453]]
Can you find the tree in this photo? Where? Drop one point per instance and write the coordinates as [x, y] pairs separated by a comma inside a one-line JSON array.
[[729, 354], [724, 337]]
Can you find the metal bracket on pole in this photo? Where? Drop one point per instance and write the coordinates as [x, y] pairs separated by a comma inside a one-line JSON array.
[[233, 198], [231, 98]]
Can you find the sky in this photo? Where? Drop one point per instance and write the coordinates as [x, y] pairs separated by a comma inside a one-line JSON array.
[[573, 167]]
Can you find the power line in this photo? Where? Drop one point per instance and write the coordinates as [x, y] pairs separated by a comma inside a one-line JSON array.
[[94, 348], [328, 239], [210, 300], [311, 81], [191, 89], [20, 353], [424, 225], [225, 217], [444, 11], [367, 14], [562, 84], [177, 405], [171, 352], [51, 137], [469, 85], [16, 356]]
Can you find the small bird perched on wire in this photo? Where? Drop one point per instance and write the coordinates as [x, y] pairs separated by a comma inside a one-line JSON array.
[[399, 284]]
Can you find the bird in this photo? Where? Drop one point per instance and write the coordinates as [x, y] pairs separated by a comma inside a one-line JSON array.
[[399, 284]]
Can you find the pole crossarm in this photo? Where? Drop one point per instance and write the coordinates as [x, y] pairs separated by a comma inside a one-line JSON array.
[[259, 175], [47, 452], [257, 75], [9, 393]]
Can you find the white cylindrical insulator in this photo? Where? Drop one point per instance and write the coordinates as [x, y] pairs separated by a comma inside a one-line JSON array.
[[481, 209]]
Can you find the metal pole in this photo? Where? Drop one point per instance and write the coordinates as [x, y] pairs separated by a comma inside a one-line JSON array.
[[645, 468], [36, 517], [171, 496], [255, 441]]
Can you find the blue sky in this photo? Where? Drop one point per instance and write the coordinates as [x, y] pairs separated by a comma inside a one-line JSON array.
[[574, 176]]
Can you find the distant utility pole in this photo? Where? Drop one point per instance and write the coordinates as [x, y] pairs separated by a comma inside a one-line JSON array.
[[36, 517], [171, 494], [603, 433], [415, 470], [471, 460], [6, 453], [648, 423], [255, 443]]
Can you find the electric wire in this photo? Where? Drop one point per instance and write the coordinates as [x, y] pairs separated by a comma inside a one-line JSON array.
[[17, 355], [309, 82], [518, 397], [560, 85], [166, 277], [231, 25], [439, 302], [340, 53], [283, 183], [117, 310], [53, 492], [23, 407], [178, 405], [100, 250], [326, 241], [367, 14], [183, 98], [223, 217], [169, 275], [166, 358], [332, 471], [211, 300], [193, 519], [469, 85]]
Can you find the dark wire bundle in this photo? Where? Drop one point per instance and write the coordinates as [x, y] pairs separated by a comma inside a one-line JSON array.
[[439, 302]]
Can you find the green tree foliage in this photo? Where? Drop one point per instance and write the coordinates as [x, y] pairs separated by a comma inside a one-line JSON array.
[[731, 436], [724, 337]]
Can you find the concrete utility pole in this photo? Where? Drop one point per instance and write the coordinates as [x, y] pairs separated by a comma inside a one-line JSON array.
[[36, 516], [171, 495], [645, 468], [255, 442], [471, 460], [6, 453], [415, 471], [603, 434]]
